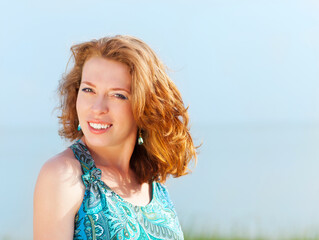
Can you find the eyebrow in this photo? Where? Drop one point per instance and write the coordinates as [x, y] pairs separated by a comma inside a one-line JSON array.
[[114, 89], [88, 83]]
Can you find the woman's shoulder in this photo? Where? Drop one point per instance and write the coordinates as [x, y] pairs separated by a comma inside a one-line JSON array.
[[63, 170], [64, 163], [58, 195], [60, 177]]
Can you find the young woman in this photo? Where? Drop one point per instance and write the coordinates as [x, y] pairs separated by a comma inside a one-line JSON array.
[[131, 131]]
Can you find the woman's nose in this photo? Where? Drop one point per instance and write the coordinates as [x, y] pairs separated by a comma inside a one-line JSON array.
[[100, 105]]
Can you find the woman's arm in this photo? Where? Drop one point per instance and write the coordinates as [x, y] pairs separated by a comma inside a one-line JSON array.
[[57, 197]]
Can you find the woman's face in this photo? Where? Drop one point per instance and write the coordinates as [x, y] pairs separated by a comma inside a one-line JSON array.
[[104, 103]]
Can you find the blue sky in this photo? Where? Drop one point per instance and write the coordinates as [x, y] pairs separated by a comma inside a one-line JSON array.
[[234, 61]]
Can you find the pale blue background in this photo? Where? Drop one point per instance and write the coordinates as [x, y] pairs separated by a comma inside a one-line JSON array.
[[248, 69]]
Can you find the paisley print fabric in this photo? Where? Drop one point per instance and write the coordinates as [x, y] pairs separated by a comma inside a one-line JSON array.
[[105, 215]]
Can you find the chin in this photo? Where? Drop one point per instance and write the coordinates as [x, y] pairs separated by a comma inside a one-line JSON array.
[[100, 142], [96, 142]]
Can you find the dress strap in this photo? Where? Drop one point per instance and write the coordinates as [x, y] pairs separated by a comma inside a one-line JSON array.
[[90, 173]]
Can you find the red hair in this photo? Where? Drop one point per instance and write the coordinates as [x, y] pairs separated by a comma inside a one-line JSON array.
[[157, 106]]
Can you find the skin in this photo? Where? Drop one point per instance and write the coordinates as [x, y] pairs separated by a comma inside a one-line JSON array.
[[104, 97]]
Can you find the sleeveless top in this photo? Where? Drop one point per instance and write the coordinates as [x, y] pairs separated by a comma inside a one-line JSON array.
[[105, 215]]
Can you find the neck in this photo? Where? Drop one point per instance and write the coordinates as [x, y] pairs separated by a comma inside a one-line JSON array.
[[116, 158]]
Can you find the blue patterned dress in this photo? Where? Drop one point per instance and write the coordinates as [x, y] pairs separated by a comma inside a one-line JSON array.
[[105, 215]]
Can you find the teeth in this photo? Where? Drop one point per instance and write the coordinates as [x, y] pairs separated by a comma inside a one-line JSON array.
[[99, 125]]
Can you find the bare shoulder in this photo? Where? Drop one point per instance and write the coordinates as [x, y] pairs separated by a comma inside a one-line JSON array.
[[63, 165], [58, 195], [62, 174]]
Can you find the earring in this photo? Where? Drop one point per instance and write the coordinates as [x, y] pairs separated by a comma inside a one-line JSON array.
[[79, 127], [140, 140]]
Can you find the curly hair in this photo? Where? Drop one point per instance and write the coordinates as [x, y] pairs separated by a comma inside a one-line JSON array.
[[157, 107]]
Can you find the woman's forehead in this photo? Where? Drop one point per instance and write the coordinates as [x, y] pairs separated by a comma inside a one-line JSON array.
[[99, 70]]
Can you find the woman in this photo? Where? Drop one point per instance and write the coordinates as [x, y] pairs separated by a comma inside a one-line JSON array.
[[131, 132]]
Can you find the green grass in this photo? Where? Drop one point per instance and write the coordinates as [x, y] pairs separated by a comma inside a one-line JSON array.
[[217, 237], [243, 238], [213, 238]]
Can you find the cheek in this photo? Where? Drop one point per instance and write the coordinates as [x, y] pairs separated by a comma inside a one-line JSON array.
[[79, 105], [127, 114], [131, 119]]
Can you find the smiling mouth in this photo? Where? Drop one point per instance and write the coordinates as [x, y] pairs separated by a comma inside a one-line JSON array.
[[99, 126]]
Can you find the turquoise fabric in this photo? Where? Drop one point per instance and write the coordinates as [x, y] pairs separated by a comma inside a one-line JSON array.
[[105, 215]]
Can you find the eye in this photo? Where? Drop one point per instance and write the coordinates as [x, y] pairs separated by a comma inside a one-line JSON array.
[[121, 96], [87, 90]]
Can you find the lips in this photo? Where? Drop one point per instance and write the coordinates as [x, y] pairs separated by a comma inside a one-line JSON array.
[[98, 127]]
